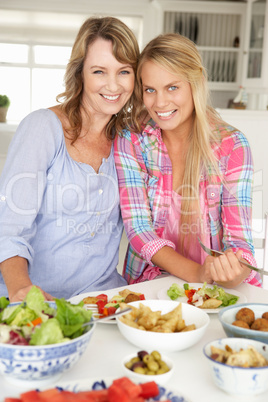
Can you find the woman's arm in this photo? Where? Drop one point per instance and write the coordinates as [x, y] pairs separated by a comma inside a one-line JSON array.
[[236, 207], [180, 266], [15, 274], [22, 185]]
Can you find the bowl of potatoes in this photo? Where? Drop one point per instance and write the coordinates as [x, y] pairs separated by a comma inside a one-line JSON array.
[[163, 325]]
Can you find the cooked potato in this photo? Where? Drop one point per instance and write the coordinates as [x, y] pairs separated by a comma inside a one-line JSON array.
[[146, 319], [211, 303]]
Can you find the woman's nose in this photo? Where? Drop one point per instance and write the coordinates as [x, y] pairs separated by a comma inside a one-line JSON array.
[[112, 83], [161, 100]]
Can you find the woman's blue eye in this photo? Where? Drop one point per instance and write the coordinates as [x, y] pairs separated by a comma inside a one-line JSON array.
[[97, 72], [124, 72], [172, 88], [149, 90]]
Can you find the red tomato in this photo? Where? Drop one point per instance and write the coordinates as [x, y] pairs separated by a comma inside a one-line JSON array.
[[49, 393], [67, 396], [102, 296], [101, 304], [30, 396], [100, 395], [116, 394], [142, 297], [128, 386], [12, 400], [111, 310], [149, 389]]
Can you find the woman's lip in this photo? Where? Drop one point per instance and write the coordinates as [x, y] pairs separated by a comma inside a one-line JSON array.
[[111, 98], [166, 115]]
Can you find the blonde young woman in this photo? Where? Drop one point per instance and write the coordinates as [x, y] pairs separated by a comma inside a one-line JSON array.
[[60, 221], [183, 174]]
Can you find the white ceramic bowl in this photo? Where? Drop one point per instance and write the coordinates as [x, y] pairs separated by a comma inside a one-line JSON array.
[[227, 317], [167, 342], [160, 379], [35, 366], [238, 380]]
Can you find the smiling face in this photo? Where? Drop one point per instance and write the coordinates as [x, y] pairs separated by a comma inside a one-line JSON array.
[[108, 84], [168, 98]]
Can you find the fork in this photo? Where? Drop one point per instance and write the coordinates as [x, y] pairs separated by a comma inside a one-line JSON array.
[[216, 253], [93, 308], [108, 317]]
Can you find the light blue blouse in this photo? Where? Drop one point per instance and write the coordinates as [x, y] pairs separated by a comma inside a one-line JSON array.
[[59, 214]]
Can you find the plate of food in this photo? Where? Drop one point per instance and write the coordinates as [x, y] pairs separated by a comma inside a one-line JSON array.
[[98, 389], [211, 298], [105, 303]]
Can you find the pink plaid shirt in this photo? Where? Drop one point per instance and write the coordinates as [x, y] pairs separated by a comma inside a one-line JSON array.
[[145, 184]]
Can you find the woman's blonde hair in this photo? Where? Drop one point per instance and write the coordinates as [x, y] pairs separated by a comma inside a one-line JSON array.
[[125, 50], [179, 55]]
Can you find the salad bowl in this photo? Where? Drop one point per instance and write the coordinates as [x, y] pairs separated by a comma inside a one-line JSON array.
[[41, 364]]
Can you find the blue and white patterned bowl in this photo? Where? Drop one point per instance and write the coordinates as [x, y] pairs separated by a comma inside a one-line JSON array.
[[238, 380], [41, 365]]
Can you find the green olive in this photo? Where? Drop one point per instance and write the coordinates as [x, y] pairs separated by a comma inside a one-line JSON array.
[[153, 365], [164, 366], [128, 365], [147, 358], [148, 364], [134, 360], [162, 370], [156, 355], [139, 370]]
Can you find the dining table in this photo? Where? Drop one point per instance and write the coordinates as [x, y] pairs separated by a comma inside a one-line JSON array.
[[107, 348]]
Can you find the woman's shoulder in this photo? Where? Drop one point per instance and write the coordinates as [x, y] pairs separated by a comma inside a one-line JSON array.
[[231, 137], [42, 117], [148, 128], [41, 124]]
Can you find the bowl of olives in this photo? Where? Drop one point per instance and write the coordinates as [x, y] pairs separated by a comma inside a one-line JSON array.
[[145, 366]]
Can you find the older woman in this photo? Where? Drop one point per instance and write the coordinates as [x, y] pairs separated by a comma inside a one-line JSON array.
[[60, 221]]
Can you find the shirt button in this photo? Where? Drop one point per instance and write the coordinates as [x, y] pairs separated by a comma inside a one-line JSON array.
[[92, 234], [100, 191], [106, 160], [3, 198], [212, 194], [98, 213]]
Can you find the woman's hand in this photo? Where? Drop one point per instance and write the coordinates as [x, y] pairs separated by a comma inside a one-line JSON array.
[[226, 269], [21, 294], [205, 271]]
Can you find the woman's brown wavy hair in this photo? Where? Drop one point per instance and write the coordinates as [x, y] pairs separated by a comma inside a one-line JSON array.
[[125, 50]]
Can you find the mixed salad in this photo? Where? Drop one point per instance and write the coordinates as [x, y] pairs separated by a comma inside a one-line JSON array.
[[108, 307], [198, 296], [36, 322]]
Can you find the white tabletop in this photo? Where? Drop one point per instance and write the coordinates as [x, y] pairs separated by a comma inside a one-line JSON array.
[[191, 378]]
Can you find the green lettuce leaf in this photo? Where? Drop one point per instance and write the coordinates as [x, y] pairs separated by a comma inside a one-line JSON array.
[[49, 332], [9, 314], [3, 302], [35, 301], [218, 293], [71, 317], [175, 291], [227, 298]]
